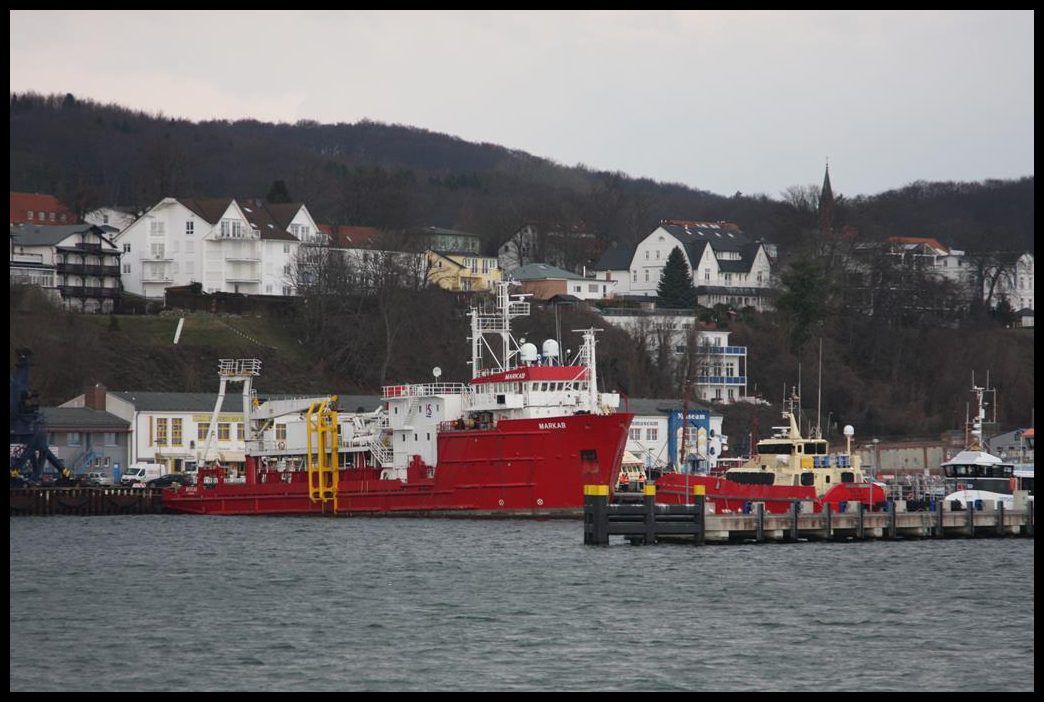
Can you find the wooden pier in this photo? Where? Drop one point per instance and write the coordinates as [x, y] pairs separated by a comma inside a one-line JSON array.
[[85, 501], [696, 523]]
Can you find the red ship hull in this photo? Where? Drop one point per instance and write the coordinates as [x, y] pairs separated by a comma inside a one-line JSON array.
[[523, 467], [730, 496]]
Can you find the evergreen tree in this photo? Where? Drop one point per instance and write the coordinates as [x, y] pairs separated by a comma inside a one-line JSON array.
[[279, 193], [1005, 313], [676, 290]]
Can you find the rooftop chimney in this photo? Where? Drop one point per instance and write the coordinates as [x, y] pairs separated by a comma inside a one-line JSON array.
[[94, 396]]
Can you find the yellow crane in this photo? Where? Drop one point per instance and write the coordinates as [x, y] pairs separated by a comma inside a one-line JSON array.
[[323, 468]]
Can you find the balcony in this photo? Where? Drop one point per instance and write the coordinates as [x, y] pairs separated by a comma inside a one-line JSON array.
[[89, 292], [87, 248], [721, 380], [82, 269], [242, 271], [723, 350], [34, 259]]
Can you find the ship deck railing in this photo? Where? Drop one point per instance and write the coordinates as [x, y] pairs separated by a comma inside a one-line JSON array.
[[422, 390]]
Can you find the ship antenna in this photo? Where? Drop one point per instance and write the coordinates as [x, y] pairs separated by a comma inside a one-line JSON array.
[[819, 399], [799, 398]]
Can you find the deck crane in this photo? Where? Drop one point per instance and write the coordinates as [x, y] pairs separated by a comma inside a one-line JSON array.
[[320, 413]]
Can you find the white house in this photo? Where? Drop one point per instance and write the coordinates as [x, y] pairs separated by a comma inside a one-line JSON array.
[[727, 266], [721, 368], [245, 246], [1011, 281], [79, 264], [1017, 284], [615, 266]]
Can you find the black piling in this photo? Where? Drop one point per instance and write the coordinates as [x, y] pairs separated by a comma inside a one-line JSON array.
[[596, 515]]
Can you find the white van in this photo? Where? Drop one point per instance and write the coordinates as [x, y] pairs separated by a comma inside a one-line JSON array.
[[142, 473]]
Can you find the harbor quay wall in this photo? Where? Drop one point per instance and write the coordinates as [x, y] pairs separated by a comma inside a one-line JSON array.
[[85, 501]]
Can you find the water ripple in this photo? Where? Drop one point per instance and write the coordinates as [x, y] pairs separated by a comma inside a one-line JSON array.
[[384, 604]]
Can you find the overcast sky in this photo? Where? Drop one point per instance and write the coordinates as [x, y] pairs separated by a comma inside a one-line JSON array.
[[722, 101]]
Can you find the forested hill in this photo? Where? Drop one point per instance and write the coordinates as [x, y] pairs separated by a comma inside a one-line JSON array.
[[393, 176]]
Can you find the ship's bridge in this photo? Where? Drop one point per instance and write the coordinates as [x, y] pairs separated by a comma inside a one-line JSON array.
[[524, 374], [538, 390]]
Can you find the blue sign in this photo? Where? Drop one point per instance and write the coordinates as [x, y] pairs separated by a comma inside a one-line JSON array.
[[697, 420]]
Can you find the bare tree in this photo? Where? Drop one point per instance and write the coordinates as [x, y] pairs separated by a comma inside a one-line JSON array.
[[990, 270]]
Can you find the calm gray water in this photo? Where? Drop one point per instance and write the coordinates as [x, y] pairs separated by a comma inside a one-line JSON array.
[[226, 603]]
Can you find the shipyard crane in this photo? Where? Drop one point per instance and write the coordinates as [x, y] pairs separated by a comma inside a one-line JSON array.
[[29, 448]]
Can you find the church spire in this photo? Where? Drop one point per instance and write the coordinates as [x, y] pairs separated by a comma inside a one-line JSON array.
[[826, 203], [828, 194]]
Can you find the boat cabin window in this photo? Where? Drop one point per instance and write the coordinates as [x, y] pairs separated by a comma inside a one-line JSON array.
[[808, 478], [751, 478], [995, 471], [776, 448], [818, 448], [848, 477]]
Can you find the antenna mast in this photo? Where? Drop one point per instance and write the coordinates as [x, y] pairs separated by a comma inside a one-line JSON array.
[[819, 399], [496, 322]]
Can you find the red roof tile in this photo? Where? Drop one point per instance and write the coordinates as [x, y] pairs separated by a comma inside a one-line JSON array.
[[346, 237], [919, 240], [45, 209]]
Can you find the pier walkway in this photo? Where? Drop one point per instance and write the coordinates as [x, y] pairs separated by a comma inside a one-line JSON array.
[[696, 523]]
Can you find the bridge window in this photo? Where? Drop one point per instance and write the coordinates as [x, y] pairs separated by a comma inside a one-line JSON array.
[[752, 478]]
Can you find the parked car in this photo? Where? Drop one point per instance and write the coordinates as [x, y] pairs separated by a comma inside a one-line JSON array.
[[170, 480], [98, 478], [142, 473]]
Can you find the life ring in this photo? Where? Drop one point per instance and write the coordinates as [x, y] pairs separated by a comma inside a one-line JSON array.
[[281, 445]]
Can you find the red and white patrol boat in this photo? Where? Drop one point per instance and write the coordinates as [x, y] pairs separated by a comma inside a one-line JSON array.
[[783, 468], [522, 438]]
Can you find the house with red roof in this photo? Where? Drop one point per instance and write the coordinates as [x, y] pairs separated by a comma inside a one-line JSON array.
[[40, 209], [346, 237]]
